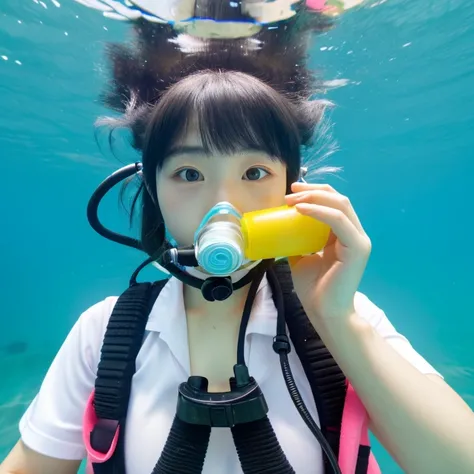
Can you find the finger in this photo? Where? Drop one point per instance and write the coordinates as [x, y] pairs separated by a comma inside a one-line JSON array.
[[297, 187], [331, 239], [345, 231], [329, 199]]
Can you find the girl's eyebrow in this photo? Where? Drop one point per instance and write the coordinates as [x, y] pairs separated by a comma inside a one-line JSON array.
[[187, 150]]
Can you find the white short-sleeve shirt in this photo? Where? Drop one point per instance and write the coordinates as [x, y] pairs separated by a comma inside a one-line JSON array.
[[52, 425]]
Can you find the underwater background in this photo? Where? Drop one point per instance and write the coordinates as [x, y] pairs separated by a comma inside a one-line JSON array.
[[402, 76]]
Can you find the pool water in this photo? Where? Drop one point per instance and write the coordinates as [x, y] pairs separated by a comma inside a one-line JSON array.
[[402, 74]]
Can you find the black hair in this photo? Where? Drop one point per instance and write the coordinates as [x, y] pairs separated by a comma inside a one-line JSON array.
[[245, 93], [156, 58]]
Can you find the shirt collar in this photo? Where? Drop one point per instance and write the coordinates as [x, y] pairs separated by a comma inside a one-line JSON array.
[[168, 313]]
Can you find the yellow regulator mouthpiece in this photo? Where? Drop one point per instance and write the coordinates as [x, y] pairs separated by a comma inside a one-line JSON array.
[[281, 232]]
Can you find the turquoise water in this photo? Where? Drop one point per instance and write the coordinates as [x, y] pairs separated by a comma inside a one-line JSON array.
[[404, 123]]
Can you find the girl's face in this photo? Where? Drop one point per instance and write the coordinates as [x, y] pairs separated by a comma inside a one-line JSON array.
[[192, 182]]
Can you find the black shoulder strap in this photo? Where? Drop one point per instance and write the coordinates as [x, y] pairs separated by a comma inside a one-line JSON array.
[[327, 382], [122, 341]]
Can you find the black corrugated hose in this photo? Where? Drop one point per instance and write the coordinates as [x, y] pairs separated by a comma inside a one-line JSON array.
[[185, 449], [282, 347]]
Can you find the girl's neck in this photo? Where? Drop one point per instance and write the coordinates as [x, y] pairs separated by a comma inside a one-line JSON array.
[[195, 303]]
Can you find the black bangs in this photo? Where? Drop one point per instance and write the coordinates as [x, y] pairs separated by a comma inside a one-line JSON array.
[[233, 111], [236, 111]]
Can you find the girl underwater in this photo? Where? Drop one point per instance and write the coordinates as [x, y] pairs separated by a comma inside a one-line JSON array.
[[224, 122]]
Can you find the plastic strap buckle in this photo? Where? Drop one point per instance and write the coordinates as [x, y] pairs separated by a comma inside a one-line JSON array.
[[103, 434]]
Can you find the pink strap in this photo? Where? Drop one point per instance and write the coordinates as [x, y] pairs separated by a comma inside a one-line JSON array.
[[374, 468], [89, 421], [354, 432], [316, 4]]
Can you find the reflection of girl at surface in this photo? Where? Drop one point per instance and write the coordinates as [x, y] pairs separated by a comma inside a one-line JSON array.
[[226, 120]]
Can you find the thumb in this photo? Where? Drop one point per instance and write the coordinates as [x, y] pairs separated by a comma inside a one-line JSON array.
[[307, 263]]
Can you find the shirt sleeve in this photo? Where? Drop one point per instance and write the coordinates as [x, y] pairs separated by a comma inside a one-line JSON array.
[[52, 424], [377, 318]]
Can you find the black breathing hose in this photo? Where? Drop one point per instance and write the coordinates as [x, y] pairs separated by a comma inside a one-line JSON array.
[[98, 195], [185, 449], [288, 376], [258, 448]]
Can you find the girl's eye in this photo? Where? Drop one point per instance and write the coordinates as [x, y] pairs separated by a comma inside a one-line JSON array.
[[254, 174], [189, 175]]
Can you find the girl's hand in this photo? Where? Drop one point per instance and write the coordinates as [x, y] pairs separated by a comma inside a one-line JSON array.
[[327, 281]]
